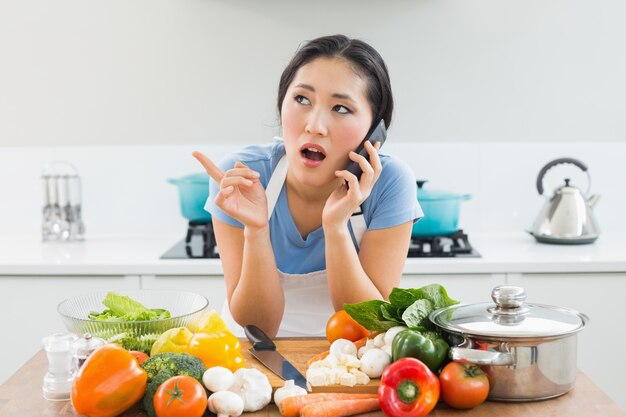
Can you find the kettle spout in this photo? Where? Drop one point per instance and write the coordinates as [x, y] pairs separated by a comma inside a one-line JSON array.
[[593, 200]]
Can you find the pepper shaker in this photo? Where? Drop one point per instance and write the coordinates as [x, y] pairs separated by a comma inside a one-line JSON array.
[[84, 347]]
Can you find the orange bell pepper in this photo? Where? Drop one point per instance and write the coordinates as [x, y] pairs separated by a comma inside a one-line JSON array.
[[109, 383]]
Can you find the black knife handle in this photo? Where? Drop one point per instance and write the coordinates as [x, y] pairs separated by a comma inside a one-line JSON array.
[[259, 340]]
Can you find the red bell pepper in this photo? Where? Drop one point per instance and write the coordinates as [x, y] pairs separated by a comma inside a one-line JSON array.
[[408, 389]]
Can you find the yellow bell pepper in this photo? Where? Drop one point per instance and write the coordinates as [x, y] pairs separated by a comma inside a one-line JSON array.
[[207, 338], [217, 349]]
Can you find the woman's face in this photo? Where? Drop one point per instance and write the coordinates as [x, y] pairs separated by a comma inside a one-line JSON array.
[[325, 115]]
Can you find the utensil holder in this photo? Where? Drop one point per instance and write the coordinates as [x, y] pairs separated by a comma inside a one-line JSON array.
[[62, 203]]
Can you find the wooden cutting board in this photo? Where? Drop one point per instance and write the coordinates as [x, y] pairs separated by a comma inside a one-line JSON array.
[[298, 351]]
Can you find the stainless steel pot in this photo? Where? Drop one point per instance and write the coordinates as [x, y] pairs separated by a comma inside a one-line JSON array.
[[528, 350]]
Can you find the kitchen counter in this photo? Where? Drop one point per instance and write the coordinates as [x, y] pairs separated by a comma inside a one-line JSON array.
[[139, 255], [21, 396]]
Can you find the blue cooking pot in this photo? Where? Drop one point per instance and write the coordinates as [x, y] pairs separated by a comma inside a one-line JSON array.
[[441, 211], [193, 191]]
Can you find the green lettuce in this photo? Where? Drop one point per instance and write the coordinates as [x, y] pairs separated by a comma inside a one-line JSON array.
[[124, 308]]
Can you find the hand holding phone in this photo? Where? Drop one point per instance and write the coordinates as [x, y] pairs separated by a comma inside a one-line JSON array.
[[377, 134]]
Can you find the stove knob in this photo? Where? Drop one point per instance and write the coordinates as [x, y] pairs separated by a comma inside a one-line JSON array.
[[426, 247]]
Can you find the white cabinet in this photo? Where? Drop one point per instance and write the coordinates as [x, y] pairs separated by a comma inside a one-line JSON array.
[[212, 287], [466, 288], [28, 310], [601, 297]]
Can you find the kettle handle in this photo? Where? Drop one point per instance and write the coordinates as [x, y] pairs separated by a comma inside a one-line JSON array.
[[550, 164]]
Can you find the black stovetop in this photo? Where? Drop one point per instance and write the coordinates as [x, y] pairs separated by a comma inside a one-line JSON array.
[[200, 243]]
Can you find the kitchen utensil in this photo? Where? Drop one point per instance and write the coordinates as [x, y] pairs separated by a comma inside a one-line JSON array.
[[57, 383], [527, 350], [265, 351], [441, 211], [567, 216], [62, 203], [298, 351], [183, 306], [83, 347], [193, 192]]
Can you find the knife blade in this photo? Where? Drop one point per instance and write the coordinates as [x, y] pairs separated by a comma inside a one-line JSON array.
[[264, 350]]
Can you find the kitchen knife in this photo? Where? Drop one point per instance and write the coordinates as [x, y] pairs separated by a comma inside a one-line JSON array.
[[264, 350]]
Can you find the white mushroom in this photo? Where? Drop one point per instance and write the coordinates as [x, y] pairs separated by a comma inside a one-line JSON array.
[[218, 378], [369, 344], [391, 333], [374, 362], [225, 404]]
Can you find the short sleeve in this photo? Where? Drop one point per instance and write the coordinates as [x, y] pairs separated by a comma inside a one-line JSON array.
[[394, 196]]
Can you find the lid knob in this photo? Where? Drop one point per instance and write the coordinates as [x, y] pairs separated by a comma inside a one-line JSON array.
[[507, 296]]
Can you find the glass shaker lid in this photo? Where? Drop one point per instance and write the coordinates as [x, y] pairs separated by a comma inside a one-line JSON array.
[[84, 346], [509, 317]]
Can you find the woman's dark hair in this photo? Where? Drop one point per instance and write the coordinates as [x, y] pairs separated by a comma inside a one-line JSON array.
[[365, 60]]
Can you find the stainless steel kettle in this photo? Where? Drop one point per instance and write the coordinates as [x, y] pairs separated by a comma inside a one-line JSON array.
[[567, 216]]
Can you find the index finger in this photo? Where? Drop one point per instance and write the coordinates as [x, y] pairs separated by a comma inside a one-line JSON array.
[[210, 167]]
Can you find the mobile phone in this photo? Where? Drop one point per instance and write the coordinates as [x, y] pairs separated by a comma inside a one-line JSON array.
[[377, 134]]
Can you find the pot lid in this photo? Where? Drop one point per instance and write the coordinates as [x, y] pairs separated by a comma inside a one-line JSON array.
[[429, 194], [200, 178], [509, 317]]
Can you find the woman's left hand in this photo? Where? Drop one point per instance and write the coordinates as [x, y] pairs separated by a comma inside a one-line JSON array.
[[351, 194]]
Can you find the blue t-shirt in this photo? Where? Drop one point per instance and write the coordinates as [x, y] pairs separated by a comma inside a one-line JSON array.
[[393, 201]]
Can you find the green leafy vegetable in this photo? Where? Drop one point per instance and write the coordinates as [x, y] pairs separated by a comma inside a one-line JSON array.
[[124, 308], [410, 307], [132, 341], [369, 314], [417, 313]]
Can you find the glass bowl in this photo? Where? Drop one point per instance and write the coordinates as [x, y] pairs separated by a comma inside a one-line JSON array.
[[183, 306]]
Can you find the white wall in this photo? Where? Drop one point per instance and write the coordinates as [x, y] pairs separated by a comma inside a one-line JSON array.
[[110, 72]]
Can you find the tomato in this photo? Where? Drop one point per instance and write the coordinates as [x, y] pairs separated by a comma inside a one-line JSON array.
[[463, 385], [180, 396], [140, 356], [342, 326]]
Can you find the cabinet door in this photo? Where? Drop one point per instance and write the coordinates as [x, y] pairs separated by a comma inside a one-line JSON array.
[[212, 287], [601, 297], [28, 310], [466, 288]]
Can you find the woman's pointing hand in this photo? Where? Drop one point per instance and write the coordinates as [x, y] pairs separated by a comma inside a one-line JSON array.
[[241, 194]]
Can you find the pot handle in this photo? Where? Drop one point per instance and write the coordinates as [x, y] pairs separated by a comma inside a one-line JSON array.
[[481, 357]]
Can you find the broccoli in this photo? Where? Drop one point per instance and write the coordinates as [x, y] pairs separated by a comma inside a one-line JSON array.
[[174, 363], [162, 367], [151, 389]]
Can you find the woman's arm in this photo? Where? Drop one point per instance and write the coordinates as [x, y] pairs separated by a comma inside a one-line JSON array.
[[374, 271], [253, 288]]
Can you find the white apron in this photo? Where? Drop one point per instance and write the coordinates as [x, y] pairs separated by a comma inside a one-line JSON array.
[[307, 300]]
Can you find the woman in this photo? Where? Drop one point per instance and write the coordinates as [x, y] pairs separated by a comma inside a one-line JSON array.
[[284, 214]]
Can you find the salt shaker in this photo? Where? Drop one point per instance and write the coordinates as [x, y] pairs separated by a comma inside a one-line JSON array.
[[57, 383], [84, 347]]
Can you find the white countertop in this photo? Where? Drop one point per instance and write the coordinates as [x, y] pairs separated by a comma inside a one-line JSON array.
[[139, 255]]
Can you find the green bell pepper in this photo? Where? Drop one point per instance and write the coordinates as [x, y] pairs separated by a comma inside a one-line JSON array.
[[428, 347]]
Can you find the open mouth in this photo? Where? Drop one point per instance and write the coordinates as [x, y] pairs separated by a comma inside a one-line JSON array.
[[314, 153]]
